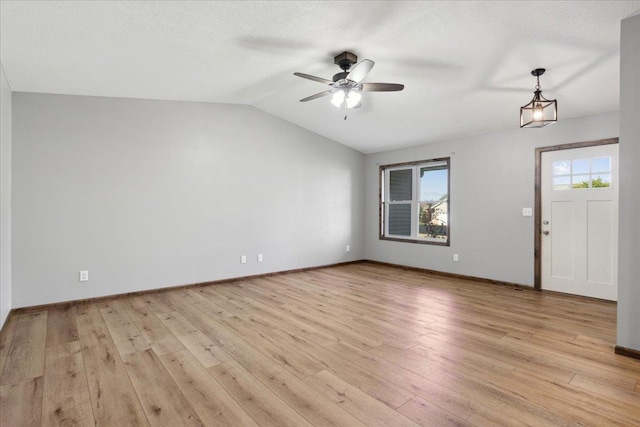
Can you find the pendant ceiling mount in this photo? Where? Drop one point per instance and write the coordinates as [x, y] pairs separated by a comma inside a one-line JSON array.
[[539, 112]]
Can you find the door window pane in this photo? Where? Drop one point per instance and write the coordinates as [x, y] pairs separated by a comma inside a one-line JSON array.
[[563, 167], [580, 166], [601, 164], [561, 183], [600, 180], [580, 181]]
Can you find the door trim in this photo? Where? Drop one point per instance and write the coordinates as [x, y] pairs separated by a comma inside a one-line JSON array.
[[537, 266]]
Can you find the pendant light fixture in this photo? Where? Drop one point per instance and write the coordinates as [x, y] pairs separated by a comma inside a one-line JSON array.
[[540, 111]]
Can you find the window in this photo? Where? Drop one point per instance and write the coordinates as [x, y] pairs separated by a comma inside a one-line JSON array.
[[582, 173], [414, 202]]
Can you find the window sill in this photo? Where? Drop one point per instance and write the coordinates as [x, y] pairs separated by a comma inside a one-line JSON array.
[[420, 241]]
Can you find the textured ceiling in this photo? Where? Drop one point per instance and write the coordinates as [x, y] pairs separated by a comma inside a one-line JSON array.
[[465, 65]]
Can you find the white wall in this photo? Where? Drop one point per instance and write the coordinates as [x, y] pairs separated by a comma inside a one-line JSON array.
[[5, 198], [629, 242], [492, 179], [148, 194]]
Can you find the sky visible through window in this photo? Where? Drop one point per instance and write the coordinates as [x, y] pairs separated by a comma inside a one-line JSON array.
[[433, 185]]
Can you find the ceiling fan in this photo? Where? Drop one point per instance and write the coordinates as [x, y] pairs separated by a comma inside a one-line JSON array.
[[347, 86]]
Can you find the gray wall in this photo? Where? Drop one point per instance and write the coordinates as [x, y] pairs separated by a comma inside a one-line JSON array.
[[149, 194], [629, 243], [492, 179], [5, 198]]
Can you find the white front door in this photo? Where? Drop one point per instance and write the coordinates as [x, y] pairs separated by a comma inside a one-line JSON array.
[[580, 221]]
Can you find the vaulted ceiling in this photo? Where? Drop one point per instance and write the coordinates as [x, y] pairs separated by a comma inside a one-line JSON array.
[[465, 65]]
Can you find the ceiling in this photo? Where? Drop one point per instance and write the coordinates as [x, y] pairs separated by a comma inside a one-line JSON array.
[[465, 65]]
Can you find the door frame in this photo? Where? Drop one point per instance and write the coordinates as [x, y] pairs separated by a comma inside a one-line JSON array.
[[537, 222]]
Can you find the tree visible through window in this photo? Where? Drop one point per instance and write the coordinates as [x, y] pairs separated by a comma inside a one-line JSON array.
[[415, 201]]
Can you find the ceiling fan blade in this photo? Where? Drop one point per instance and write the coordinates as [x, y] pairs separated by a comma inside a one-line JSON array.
[[314, 78], [317, 95], [360, 70], [381, 87]]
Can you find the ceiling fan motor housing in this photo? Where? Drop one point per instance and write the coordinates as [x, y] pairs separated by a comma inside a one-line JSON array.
[[345, 60]]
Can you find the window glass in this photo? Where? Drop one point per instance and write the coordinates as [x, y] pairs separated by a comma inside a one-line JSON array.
[[433, 183], [582, 173], [601, 164], [580, 166], [400, 219], [400, 185], [415, 202], [561, 182], [601, 180], [580, 181], [562, 167]]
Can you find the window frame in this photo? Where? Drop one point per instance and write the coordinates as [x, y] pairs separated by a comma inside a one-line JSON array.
[[415, 202]]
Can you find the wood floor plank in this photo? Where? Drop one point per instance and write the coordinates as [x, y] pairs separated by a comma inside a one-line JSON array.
[[197, 300], [426, 413], [209, 399], [92, 330], [240, 350], [300, 365], [26, 356], [498, 348], [310, 403], [376, 386], [370, 411], [21, 403], [263, 406], [162, 401], [126, 336], [157, 335], [484, 394], [277, 318], [7, 333], [205, 350], [357, 344], [488, 417], [66, 392], [570, 402], [113, 398], [623, 392], [61, 325], [437, 394], [324, 323]]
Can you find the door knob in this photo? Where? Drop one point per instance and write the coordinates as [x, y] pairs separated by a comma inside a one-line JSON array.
[[545, 232]]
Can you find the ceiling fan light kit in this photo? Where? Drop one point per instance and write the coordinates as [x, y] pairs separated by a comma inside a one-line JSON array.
[[539, 112], [346, 87]]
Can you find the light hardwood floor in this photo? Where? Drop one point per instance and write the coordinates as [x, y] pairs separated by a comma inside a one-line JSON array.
[[353, 345]]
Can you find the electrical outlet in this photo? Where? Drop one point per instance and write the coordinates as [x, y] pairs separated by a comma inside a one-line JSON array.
[[527, 211], [259, 257], [455, 257], [348, 248], [243, 259], [84, 276]]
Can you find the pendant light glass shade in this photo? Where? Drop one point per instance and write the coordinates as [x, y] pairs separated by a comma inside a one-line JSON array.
[[540, 111]]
